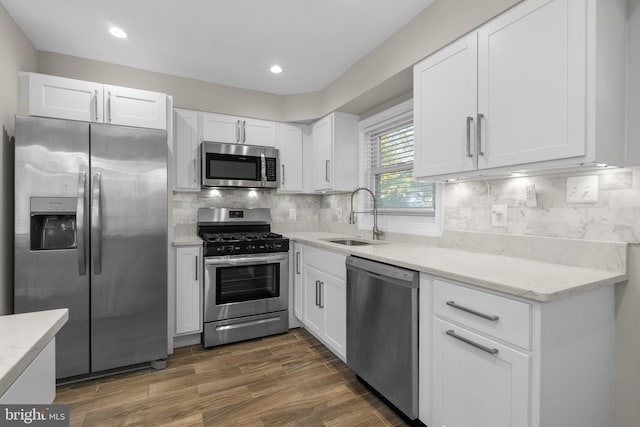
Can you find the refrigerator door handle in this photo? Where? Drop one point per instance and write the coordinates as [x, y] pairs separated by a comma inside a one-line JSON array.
[[96, 225], [80, 223]]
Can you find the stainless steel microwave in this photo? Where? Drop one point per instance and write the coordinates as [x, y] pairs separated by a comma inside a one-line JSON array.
[[238, 165]]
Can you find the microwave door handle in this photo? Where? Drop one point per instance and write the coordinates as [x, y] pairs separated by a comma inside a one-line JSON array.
[[263, 163], [96, 225], [80, 224]]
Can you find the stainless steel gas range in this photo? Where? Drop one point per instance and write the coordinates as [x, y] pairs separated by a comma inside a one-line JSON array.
[[246, 279]]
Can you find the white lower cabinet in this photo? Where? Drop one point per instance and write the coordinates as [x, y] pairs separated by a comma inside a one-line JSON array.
[[325, 298], [477, 382], [492, 360], [298, 295], [188, 289]]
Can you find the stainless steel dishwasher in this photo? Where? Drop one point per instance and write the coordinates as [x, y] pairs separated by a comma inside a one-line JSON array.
[[382, 330]]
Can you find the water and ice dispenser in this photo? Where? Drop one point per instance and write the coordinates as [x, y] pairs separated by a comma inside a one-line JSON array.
[[53, 223]]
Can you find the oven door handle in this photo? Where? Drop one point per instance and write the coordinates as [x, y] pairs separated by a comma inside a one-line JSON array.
[[247, 260]]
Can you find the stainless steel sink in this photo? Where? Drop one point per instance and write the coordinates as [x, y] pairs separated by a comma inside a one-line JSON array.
[[350, 242]]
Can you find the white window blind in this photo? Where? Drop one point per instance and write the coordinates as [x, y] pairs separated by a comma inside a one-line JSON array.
[[388, 153]]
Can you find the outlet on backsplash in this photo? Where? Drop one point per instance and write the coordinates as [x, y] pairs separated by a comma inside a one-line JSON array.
[[582, 189], [499, 215], [292, 214]]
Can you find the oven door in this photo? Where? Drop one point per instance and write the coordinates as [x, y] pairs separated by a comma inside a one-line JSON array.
[[244, 285]]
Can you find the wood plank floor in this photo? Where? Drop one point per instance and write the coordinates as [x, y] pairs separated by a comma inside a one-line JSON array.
[[284, 380]]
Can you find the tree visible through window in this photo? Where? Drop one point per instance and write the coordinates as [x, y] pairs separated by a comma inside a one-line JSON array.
[[391, 173]]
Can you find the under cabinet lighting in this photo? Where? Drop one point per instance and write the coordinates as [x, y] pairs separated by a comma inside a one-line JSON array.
[[117, 32], [276, 69]]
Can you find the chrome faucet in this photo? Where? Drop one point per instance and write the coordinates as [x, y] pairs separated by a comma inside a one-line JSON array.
[[352, 219]]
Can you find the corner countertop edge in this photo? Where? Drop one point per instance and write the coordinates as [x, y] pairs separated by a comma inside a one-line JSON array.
[[24, 336]]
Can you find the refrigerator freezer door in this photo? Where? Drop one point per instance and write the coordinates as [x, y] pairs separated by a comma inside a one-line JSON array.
[[129, 289], [51, 157]]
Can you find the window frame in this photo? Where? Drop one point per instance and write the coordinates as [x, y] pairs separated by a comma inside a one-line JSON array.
[[423, 221]]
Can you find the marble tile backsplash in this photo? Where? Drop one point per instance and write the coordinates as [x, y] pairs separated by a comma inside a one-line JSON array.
[[288, 212], [614, 217], [553, 231]]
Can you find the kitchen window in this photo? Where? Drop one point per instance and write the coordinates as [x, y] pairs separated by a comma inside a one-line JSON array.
[[386, 162]]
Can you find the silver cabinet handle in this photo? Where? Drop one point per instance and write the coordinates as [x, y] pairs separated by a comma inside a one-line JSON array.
[[195, 171], [326, 170], [321, 305], [80, 219], [282, 181], [317, 293], [452, 333], [491, 317], [297, 262], [95, 103], [479, 134], [469, 121], [196, 267], [244, 131], [237, 130], [109, 106], [96, 225]]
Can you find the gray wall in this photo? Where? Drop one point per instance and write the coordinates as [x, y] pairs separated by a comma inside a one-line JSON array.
[[16, 53]]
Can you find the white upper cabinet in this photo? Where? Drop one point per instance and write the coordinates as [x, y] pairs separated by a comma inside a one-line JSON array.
[[541, 86], [445, 103], [335, 153], [135, 107], [238, 130], [532, 81], [291, 158], [59, 97], [186, 151]]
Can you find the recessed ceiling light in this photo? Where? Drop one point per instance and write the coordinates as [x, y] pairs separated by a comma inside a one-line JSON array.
[[276, 69], [118, 32]]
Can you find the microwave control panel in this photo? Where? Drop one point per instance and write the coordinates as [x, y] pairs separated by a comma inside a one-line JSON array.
[[271, 167]]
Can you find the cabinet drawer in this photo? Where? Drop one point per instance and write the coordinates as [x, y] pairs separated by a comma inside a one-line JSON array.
[[500, 317], [326, 261]]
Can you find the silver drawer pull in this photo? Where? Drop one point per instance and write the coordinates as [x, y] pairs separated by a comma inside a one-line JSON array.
[[491, 317], [452, 333]]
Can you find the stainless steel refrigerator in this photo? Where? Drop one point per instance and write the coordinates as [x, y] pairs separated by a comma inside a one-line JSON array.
[[91, 235]]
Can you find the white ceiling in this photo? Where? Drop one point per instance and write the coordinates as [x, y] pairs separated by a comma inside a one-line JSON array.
[[231, 42]]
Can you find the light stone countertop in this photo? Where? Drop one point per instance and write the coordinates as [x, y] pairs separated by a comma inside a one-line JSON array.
[[187, 241], [534, 280], [22, 337]]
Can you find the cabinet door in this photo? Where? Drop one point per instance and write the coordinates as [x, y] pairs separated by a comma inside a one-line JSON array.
[[135, 107], [445, 103], [333, 297], [51, 96], [472, 387], [298, 290], [221, 128], [313, 312], [290, 148], [187, 150], [259, 132], [188, 290], [323, 154], [532, 83]]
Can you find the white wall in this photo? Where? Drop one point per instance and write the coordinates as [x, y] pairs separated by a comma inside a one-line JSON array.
[[16, 53]]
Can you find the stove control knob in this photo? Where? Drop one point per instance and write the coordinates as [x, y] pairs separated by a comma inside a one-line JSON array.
[[251, 248]]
